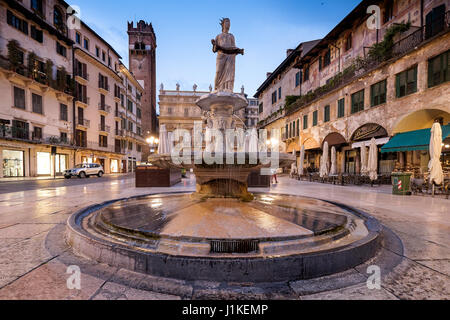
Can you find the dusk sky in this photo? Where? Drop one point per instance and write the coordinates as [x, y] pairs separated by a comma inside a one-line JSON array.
[[184, 29]]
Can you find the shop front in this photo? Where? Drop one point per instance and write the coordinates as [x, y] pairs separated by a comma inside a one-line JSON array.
[[411, 151], [13, 163], [362, 137]]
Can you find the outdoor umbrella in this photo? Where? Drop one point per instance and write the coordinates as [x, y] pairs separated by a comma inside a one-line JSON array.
[[333, 170], [294, 165], [253, 144], [163, 141], [435, 167], [324, 161], [302, 161], [373, 160], [363, 160]]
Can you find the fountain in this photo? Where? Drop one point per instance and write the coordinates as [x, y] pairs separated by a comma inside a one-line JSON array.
[[222, 232]]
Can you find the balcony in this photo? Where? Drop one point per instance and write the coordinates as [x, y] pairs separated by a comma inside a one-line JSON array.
[[14, 133], [104, 86], [362, 67], [104, 128], [81, 74], [104, 107], [84, 100], [119, 132], [83, 122]]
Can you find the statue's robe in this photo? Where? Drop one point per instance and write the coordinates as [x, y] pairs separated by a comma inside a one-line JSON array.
[[226, 63]]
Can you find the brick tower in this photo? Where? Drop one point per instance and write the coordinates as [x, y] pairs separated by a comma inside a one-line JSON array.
[[142, 54]]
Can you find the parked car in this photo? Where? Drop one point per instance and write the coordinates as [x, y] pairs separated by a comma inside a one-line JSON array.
[[85, 171]]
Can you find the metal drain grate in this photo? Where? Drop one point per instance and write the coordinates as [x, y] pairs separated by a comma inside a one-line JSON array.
[[234, 246]]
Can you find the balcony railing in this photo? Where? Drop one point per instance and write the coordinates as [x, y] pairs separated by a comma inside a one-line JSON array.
[[10, 132], [104, 107], [103, 85], [104, 128], [83, 122], [80, 73], [363, 66]]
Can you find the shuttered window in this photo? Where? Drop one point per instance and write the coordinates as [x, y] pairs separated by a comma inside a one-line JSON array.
[[378, 93], [37, 103], [358, 101], [406, 82], [341, 108], [19, 98], [438, 69], [326, 114]]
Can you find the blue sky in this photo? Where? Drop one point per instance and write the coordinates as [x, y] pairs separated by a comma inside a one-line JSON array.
[[184, 29]]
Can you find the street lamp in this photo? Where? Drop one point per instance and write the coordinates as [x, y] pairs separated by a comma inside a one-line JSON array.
[[153, 144]]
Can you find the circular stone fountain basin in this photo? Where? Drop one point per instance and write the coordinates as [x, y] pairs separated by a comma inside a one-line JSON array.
[[273, 238]]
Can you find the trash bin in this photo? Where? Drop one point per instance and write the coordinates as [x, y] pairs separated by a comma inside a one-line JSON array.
[[401, 183]]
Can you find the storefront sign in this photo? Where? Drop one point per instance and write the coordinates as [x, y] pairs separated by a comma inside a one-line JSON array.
[[369, 131]]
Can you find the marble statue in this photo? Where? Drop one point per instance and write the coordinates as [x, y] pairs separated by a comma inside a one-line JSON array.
[[225, 47], [195, 87], [178, 87]]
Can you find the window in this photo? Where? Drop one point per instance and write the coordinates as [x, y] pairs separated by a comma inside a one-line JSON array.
[[388, 11], [298, 127], [130, 126], [103, 55], [78, 38], [86, 44], [341, 108], [36, 5], [139, 148], [37, 133], [63, 112], [63, 137], [306, 73], [130, 106], [435, 21], [438, 69], [130, 145], [109, 61], [326, 114], [37, 103], [406, 82], [103, 141], [349, 42], [138, 113], [305, 122], [186, 112], [97, 52], [378, 93], [358, 101], [61, 50], [37, 34], [327, 58], [103, 82], [279, 93], [16, 22], [298, 79], [58, 18], [274, 97], [315, 118], [19, 98], [293, 129], [261, 108]]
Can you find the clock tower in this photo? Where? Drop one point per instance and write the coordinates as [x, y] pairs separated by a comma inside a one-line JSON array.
[[142, 54]]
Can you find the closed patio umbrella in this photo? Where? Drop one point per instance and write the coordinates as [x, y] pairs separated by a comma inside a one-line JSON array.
[[324, 168], [373, 160], [364, 170], [253, 143], [435, 167], [163, 141], [294, 165], [302, 161], [333, 170]]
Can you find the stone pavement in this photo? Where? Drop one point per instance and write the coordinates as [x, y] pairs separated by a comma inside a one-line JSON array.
[[34, 257]]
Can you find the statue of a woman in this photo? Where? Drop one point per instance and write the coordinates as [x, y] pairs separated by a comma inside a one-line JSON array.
[[226, 49]]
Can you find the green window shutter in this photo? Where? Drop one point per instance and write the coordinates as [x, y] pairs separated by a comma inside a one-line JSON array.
[[430, 73], [397, 86], [415, 79]]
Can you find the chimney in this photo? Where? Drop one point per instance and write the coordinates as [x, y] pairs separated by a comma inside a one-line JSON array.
[[288, 52], [268, 74]]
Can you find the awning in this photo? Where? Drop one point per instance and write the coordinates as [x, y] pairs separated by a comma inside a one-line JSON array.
[[413, 140]]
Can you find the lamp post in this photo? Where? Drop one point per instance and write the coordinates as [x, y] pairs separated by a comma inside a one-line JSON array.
[[153, 144]]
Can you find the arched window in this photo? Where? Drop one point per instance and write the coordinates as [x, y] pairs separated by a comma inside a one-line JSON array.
[[58, 17]]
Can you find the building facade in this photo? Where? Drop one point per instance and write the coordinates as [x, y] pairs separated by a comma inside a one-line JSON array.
[[361, 82], [61, 89]]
